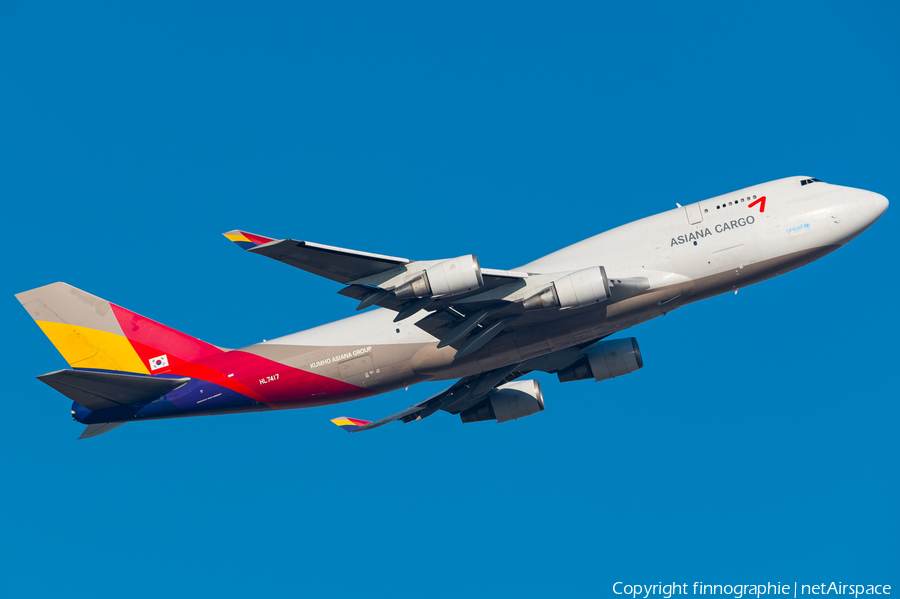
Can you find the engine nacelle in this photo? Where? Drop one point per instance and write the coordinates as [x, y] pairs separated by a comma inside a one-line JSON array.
[[575, 290], [508, 402], [610, 360], [450, 277]]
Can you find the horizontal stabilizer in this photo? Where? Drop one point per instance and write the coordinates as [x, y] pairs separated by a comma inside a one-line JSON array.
[[349, 424], [99, 390], [98, 429]]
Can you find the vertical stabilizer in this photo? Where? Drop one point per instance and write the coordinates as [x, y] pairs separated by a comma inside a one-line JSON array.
[[92, 333]]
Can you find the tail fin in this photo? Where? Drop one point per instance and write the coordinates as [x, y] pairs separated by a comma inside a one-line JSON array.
[[94, 334]]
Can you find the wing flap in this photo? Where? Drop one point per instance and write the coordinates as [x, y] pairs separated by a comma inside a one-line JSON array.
[[361, 293], [100, 390]]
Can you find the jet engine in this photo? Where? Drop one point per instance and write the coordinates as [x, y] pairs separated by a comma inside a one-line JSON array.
[[508, 402], [450, 277], [577, 289], [612, 359]]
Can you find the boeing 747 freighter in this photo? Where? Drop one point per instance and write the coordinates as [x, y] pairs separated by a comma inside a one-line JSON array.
[[448, 318]]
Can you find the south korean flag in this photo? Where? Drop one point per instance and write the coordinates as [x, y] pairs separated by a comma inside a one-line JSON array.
[[159, 362]]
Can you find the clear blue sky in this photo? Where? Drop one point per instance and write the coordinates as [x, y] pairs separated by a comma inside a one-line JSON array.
[[759, 443]]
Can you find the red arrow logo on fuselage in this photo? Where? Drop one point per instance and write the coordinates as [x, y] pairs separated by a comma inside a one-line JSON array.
[[762, 207]]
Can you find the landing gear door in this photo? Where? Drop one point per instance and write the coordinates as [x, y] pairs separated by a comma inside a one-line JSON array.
[[694, 213]]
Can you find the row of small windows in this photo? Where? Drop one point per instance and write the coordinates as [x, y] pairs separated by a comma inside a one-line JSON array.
[[734, 203], [809, 181]]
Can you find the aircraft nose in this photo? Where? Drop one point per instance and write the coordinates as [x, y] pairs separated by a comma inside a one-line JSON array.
[[881, 204]]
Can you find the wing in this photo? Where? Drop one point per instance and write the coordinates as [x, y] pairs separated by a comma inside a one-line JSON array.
[[470, 391], [366, 271], [454, 399], [467, 320], [333, 263]]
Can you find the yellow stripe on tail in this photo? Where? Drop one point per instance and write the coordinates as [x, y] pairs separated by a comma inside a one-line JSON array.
[[83, 347]]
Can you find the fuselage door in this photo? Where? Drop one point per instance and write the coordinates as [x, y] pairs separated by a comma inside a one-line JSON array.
[[694, 213]]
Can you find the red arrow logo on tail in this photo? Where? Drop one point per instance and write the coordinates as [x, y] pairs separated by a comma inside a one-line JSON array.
[[762, 207]]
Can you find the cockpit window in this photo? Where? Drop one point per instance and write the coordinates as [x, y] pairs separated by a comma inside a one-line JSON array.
[[809, 181]]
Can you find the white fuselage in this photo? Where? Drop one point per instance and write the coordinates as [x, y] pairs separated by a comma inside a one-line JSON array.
[[796, 218]]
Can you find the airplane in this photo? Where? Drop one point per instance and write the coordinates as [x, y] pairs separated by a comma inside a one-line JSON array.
[[449, 318]]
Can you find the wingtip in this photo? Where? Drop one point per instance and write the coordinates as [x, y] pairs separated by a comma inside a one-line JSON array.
[[245, 240], [349, 424]]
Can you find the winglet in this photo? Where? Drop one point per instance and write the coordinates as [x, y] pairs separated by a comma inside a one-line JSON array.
[[349, 424], [246, 241]]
